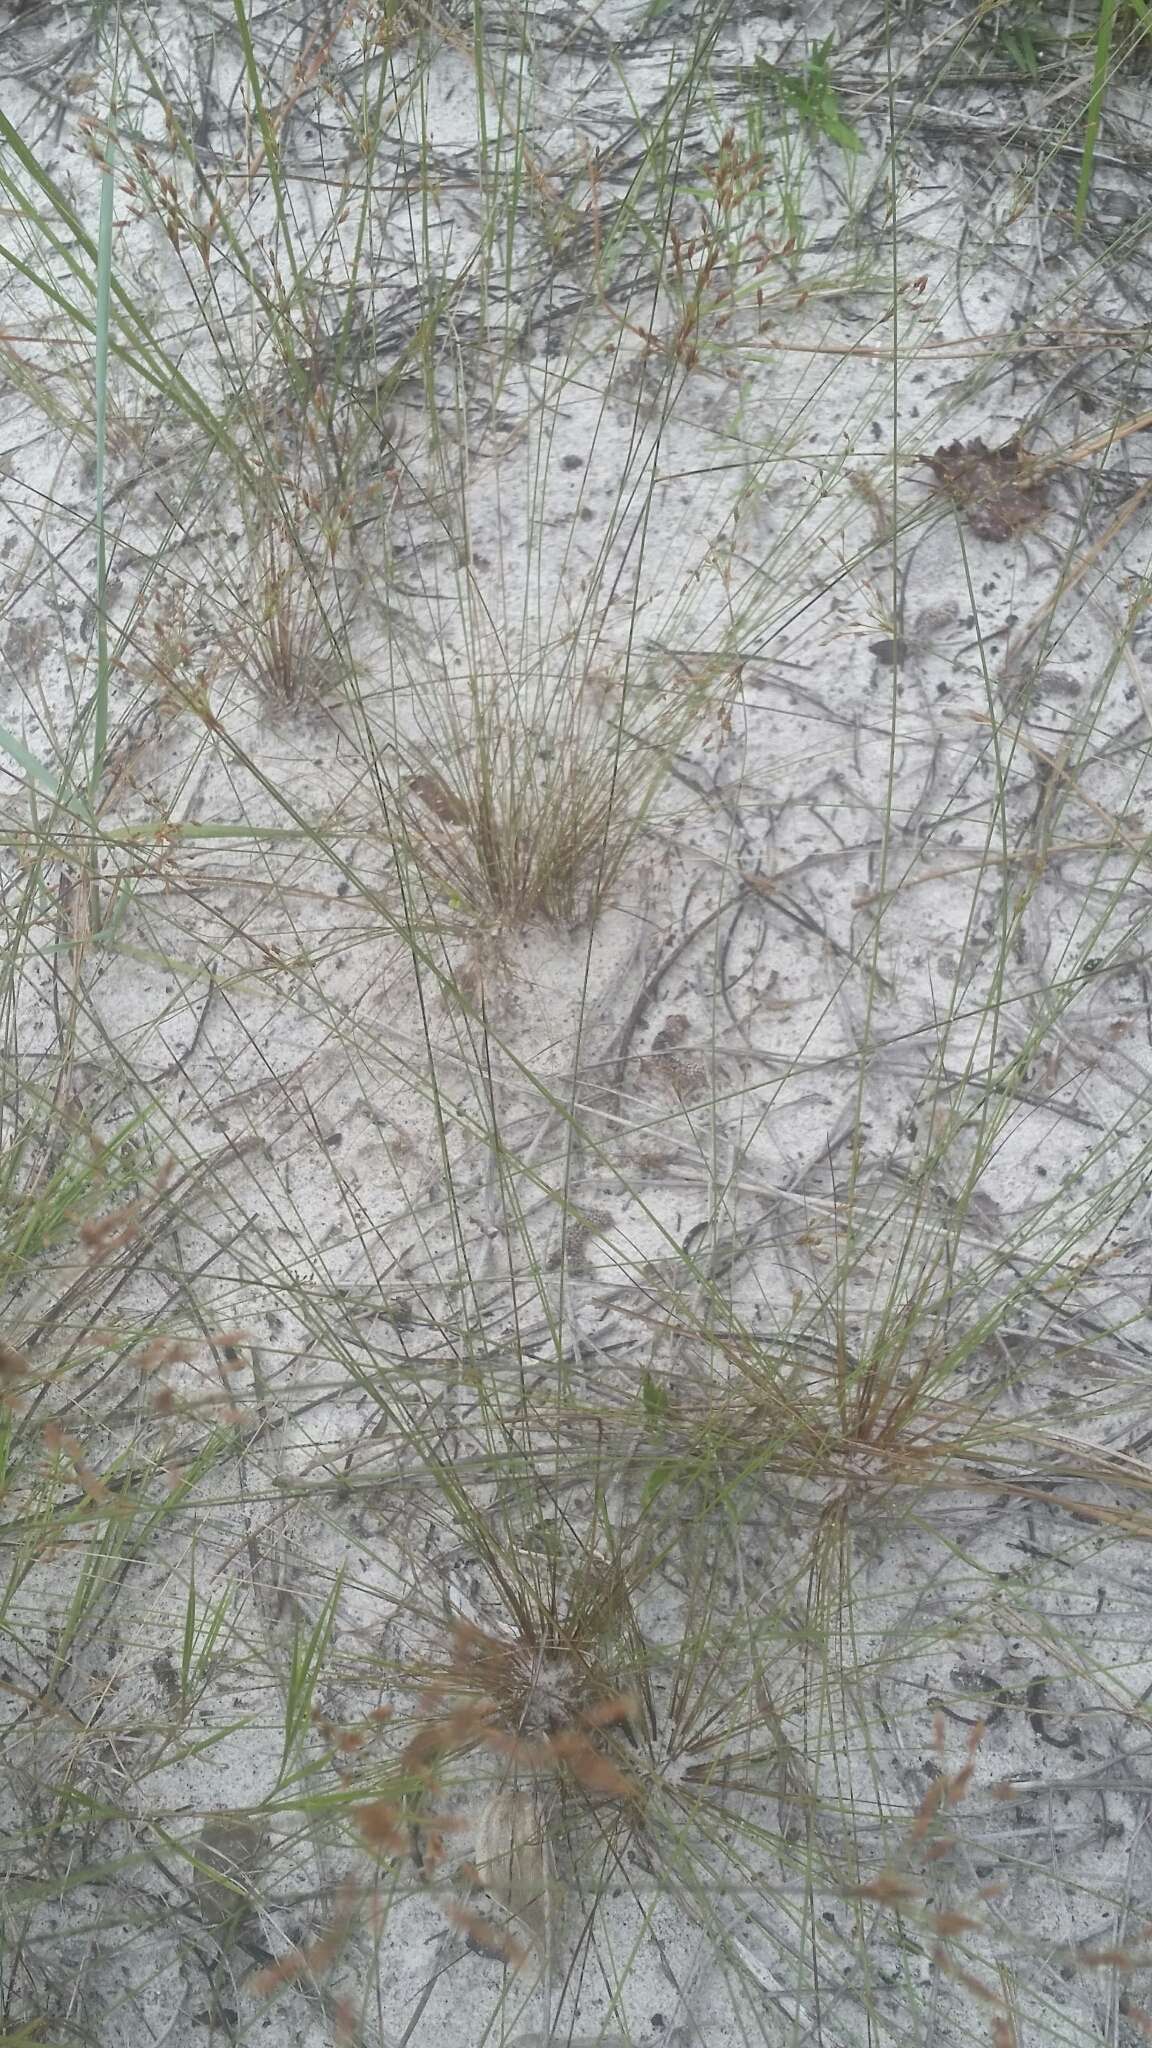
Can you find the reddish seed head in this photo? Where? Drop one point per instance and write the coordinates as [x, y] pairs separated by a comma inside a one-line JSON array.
[[381, 1827], [976, 1985], [928, 1807], [266, 1981], [154, 1354], [425, 1746], [949, 1923], [344, 2020], [589, 1768], [958, 1785], [611, 1713], [13, 1364], [533, 1756], [888, 1889]]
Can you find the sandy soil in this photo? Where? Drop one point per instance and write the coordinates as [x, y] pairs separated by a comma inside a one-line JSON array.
[[862, 1031]]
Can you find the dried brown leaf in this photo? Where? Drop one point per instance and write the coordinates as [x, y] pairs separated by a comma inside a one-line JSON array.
[[993, 486], [493, 1940], [439, 799]]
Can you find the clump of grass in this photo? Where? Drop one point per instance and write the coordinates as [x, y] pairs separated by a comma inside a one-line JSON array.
[[525, 841], [174, 655], [532, 1726], [529, 796], [544, 1689], [295, 651], [535, 1695]]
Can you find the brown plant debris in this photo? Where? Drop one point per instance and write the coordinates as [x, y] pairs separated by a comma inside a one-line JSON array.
[[487, 1939], [992, 486], [440, 800]]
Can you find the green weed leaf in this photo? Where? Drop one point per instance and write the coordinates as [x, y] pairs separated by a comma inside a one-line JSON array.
[[655, 1398]]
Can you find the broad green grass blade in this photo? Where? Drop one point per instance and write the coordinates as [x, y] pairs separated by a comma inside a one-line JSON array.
[[1095, 108]]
